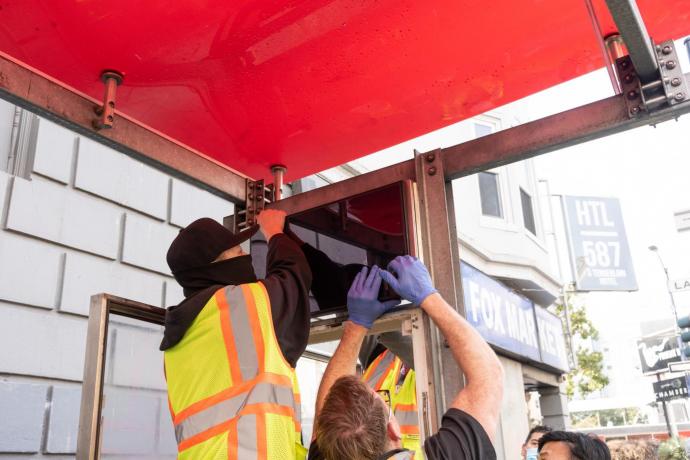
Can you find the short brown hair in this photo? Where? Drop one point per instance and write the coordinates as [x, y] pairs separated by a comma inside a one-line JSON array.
[[352, 423]]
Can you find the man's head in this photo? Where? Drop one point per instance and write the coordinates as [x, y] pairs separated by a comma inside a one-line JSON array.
[[533, 437], [567, 445], [203, 242], [355, 422]]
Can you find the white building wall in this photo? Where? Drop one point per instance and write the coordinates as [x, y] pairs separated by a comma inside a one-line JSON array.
[[89, 220]]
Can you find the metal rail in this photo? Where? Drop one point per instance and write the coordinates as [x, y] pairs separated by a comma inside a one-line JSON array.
[[43, 96]]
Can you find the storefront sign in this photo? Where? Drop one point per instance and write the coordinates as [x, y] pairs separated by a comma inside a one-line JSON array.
[[508, 320], [668, 390], [599, 252], [551, 339], [657, 352]]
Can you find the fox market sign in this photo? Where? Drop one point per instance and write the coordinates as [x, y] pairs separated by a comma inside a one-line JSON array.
[[656, 353]]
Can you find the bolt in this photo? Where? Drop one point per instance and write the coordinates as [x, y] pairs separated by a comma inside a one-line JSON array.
[[671, 64], [632, 94], [111, 104], [679, 96], [250, 221], [629, 78], [675, 82], [110, 118], [259, 196], [250, 185], [624, 64], [666, 50], [430, 158], [250, 196], [635, 110], [432, 171]]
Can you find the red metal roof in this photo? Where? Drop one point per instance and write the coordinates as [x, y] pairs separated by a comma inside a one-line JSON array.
[[311, 83]]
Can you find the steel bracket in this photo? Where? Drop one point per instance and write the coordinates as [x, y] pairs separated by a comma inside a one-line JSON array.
[[257, 196], [106, 113], [668, 89]]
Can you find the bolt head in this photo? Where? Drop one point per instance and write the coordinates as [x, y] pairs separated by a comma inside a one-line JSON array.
[[675, 81], [670, 64], [666, 49], [679, 96], [624, 64], [432, 171], [628, 78], [635, 110], [259, 197], [430, 158], [632, 94]]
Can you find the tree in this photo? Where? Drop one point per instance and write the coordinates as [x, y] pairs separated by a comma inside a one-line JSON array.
[[588, 374]]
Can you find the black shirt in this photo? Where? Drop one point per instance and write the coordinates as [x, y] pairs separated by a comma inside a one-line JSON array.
[[460, 437]]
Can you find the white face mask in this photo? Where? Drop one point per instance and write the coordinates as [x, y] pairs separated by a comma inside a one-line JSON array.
[[532, 454]]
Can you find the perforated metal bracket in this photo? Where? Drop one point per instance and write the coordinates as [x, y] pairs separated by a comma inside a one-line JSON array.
[[668, 89], [257, 196], [106, 113]]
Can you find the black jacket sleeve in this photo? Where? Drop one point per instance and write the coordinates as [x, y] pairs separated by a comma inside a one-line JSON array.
[[288, 280]]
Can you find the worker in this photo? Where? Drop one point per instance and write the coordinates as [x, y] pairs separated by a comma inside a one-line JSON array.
[[530, 449], [569, 445], [396, 382], [353, 421], [231, 346]]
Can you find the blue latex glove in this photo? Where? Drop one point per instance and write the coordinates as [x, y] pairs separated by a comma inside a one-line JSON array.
[[362, 298], [411, 280]]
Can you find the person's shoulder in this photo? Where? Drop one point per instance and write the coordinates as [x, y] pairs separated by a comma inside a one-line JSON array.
[[460, 437]]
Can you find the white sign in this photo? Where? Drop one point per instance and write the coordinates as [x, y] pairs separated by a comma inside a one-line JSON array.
[[683, 366], [682, 284]]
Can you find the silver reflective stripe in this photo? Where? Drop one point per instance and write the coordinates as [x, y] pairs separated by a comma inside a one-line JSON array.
[[297, 407], [230, 408], [242, 332], [246, 437], [407, 417], [380, 369]]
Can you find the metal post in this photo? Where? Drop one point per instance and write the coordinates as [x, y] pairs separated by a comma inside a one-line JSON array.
[[278, 174], [440, 253], [603, 46]]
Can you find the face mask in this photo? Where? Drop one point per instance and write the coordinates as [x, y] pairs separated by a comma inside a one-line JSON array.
[[532, 454]]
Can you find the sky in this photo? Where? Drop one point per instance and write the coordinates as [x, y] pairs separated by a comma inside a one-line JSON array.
[[648, 169]]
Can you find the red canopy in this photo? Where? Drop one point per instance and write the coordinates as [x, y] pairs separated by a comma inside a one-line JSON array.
[[311, 83]]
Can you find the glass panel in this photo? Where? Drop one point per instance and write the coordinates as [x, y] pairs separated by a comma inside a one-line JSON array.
[[490, 197], [528, 212], [136, 419]]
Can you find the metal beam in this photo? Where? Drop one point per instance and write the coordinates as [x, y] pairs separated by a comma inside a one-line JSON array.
[[43, 96], [631, 27], [347, 188], [582, 124]]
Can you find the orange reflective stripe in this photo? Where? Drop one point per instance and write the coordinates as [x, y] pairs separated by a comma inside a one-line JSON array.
[[205, 435], [261, 408], [228, 337], [198, 406], [261, 436], [409, 429], [253, 316], [232, 441], [406, 407]]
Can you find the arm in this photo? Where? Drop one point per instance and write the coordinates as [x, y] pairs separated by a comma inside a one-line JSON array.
[[481, 398], [287, 282], [363, 307]]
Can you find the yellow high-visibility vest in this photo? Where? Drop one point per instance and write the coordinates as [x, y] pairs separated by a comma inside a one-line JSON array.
[[383, 374], [232, 394]]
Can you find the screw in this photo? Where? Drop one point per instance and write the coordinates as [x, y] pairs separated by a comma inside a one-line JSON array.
[[632, 94], [675, 82], [679, 96], [432, 171], [430, 158], [628, 78], [666, 50], [624, 64], [671, 64], [635, 110]]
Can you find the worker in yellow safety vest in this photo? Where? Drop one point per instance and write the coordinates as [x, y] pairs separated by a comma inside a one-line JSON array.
[[395, 383], [231, 346]]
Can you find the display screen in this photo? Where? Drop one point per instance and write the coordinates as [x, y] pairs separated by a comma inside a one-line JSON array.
[[341, 237]]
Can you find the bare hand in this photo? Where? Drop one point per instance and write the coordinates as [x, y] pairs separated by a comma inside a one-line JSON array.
[[271, 222]]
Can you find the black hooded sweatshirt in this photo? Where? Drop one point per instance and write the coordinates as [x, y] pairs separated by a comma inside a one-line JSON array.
[[287, 282]]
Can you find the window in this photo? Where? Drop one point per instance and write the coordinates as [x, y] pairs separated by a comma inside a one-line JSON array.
[[18, 132], [481, 130], [528, 212], [490, 194]]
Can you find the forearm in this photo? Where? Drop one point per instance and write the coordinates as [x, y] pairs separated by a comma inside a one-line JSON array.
[[483, 392], [343, 362]]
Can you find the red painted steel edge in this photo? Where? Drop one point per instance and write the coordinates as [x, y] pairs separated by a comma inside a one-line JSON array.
[[311, 83]]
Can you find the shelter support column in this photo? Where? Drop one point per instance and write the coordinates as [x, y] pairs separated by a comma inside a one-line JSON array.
[[439, 249], [554, 408]]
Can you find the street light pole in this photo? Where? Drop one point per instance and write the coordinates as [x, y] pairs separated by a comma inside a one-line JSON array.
[[670, 424]]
